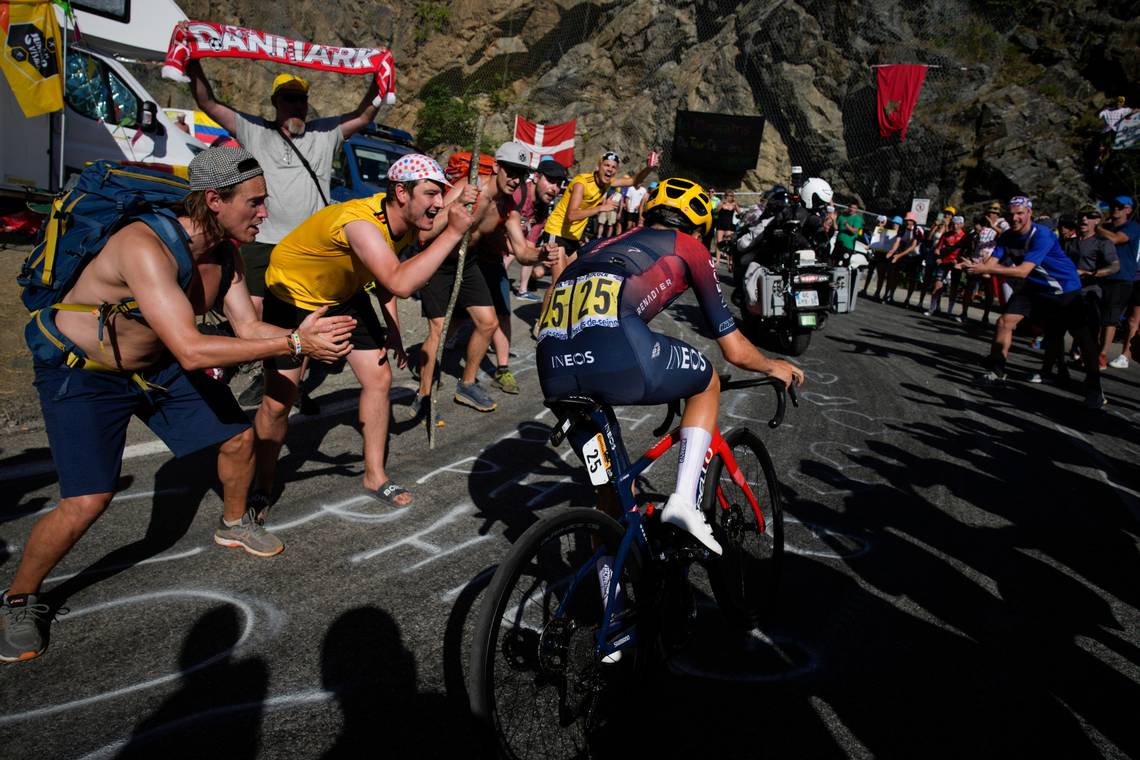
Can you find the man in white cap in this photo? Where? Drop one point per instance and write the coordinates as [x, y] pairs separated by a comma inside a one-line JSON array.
[[296, 155], [142, 362], [484, 290], [327, 262]]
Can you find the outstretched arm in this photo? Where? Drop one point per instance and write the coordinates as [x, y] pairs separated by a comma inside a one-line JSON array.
[[365, 113], [204, 96]]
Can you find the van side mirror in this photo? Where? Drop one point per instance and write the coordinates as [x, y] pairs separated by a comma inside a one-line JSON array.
[[148, 117]]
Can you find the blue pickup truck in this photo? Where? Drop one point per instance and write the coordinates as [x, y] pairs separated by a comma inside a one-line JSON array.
[[361, 166]]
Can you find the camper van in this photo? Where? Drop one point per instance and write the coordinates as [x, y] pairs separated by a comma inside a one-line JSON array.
[[107, 113]]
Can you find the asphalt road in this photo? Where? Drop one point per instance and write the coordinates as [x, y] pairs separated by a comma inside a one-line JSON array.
[[961, 578]]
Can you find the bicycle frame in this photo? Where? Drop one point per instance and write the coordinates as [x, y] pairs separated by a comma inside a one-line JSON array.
[[622, 475]]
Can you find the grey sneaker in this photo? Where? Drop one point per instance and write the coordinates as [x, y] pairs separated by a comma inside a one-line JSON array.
[[248, 535], [505, 379], [24, 618], [472, 395]]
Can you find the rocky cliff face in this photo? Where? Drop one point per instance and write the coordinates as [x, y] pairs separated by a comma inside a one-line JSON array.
[[1007, 110]]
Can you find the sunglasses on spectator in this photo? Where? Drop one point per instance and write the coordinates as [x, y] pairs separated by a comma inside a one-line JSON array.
[[1090, 216], [515, 172], [293, 97]]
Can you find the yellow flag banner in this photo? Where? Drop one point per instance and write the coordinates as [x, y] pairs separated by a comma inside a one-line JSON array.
[[32, 57]]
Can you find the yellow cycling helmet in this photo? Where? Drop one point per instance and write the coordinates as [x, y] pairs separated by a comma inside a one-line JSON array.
[[687, 197]]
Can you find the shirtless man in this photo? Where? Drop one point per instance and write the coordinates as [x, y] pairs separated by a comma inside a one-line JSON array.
[[498, 223], [148, 362]]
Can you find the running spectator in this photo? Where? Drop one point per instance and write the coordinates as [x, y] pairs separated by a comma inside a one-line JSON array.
[[297, 157], [147, 367], [1124, 233], [326, 263], [1118, 287], [1050, 295]]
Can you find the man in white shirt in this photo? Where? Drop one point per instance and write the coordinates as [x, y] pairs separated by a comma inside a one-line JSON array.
[[631, 212]]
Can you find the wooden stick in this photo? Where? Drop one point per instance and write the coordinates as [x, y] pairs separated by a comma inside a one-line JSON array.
[[472, 179]]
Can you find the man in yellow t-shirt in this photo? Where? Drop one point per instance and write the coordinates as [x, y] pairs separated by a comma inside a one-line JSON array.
[[586, 197], [324, 265]]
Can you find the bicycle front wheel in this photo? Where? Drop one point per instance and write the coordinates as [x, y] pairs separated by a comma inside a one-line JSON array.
[[749, 526], [538, 682]]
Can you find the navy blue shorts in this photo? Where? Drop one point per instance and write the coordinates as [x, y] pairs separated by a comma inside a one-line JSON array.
[[86, 416], [627, 364]]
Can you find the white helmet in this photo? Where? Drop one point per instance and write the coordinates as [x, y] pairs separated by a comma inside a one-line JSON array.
[[816, 193]]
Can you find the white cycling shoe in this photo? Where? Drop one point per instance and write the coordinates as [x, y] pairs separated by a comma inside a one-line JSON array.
[[688, 517]]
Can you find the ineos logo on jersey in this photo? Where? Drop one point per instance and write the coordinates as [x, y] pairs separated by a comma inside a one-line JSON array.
[[572, 360], [681, 357]]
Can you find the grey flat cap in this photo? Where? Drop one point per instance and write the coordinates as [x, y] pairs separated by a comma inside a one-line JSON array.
[[222, 167]]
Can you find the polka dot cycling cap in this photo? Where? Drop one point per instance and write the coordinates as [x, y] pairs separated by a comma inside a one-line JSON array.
[[416, 166]]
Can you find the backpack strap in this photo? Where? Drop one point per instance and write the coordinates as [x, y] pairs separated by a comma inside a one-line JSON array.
[[172, 235]]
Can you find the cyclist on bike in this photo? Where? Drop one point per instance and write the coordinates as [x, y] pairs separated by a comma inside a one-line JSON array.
[[594, 337]]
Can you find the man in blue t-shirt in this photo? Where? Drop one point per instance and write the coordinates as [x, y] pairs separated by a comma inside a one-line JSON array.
[[1124, 233], [1050, 296]]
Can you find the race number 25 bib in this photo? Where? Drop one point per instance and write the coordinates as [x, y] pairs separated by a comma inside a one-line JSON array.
[[587, 301]]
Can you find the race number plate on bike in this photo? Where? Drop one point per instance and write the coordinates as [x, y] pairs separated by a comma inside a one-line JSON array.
[[807, 298], [587, 301], [597, 460]]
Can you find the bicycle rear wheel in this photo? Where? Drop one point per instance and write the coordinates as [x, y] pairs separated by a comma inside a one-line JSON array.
[[745, 576], [536, 680]]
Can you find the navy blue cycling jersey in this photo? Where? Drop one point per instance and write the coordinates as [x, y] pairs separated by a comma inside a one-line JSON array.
[[593, 333], [637, 274]]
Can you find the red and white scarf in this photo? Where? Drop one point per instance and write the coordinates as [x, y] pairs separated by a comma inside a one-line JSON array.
[[201, 39]]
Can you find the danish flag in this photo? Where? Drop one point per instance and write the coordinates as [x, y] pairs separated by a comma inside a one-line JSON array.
[[547, 140]]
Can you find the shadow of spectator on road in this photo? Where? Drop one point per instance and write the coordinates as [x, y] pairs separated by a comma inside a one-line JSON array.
[[515, 476], [19, 486], [365, 664], [217, 710], [1008, 564], [180, 485]]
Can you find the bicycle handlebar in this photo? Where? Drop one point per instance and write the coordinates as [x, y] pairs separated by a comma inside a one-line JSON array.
[[728, 384]]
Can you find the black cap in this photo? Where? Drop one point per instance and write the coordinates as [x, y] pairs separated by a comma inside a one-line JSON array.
[[551, 169]]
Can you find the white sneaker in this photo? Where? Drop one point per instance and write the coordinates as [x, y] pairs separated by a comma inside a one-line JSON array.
[[687, 516], [1120, 362]]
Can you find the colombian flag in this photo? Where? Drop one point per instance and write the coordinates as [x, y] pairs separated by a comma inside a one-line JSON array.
[[32, 55]]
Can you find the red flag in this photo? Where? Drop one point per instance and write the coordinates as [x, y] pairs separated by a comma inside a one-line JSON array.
[[547, 140], [899, 85]]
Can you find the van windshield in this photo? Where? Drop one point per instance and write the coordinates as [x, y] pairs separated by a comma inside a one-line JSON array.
[[373, 164]]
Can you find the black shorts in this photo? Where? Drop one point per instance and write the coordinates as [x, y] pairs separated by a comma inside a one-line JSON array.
[[1116, 295], [1045, 309], [571, 246], [629, 217], [627, 364], [473, 291], [255, 257], [498, 285], [368, 335]]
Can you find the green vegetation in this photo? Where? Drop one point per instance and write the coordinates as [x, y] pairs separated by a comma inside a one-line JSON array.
[[444, 118], [431, 16]]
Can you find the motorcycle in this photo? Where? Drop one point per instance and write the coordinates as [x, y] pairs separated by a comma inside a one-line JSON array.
[[792, 288]]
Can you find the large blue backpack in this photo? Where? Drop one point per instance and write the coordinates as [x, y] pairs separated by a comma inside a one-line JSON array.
[[106, 197]]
